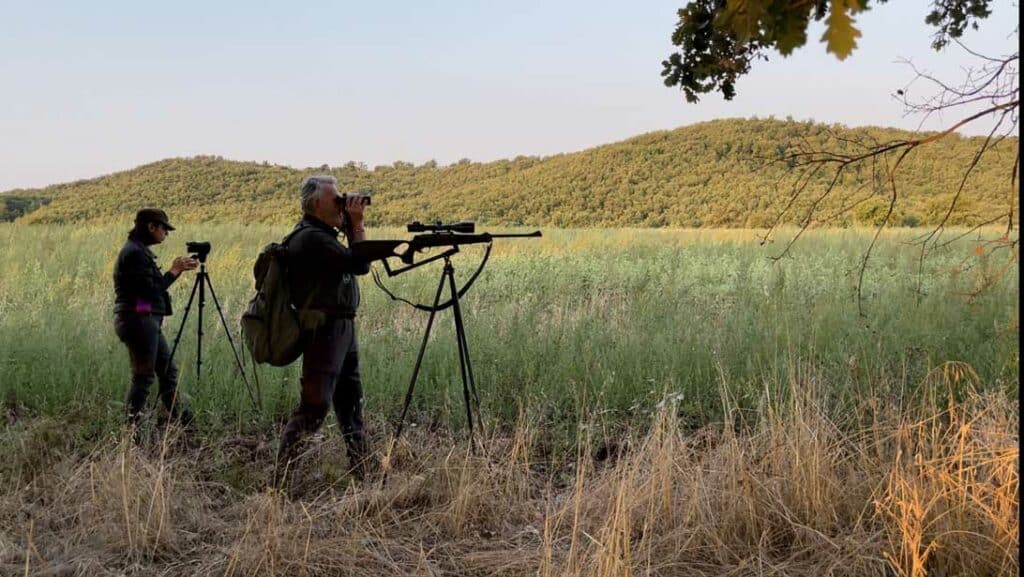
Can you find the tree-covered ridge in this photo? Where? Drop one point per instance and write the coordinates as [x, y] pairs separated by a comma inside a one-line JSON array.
[[14, 205], [716, 173]]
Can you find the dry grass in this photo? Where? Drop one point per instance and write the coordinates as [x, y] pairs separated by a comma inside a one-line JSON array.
[[931, 490]]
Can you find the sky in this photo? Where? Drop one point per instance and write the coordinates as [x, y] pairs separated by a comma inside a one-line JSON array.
[[90, 88]]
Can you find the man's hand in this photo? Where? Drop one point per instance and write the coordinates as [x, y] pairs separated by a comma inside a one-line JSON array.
[[354, 208], [182, 264]]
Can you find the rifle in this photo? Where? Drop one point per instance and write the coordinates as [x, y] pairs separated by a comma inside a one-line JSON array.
[[444, 235]]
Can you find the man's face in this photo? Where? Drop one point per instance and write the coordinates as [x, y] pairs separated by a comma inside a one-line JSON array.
[[157, 232], [327, 208]]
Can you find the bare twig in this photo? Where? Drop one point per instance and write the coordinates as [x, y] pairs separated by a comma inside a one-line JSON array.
[[995, 83]]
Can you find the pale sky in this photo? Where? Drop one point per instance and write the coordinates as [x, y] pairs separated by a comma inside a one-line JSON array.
[[90, 88]]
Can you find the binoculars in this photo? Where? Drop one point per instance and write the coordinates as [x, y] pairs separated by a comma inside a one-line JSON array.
[[343, 199]]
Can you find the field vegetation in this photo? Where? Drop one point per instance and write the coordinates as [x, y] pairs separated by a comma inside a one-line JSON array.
[[658, 402]]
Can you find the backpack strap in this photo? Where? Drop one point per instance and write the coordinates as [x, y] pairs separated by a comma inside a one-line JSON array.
[[284, 244], [302, 226]]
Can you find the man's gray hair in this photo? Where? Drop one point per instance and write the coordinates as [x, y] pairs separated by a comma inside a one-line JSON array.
[[311, 190]]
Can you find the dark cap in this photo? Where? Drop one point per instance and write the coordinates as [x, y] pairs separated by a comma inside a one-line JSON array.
[[148, 215]]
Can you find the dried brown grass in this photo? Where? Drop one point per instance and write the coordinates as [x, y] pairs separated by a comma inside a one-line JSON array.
[[930, 490]]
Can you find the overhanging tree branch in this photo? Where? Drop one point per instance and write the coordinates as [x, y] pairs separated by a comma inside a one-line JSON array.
[[808, 164]]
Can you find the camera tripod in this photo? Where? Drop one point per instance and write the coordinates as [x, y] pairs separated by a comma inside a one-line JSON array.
[[201, 284]]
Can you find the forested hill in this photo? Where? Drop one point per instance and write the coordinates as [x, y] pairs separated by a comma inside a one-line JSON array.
[[707, 174]]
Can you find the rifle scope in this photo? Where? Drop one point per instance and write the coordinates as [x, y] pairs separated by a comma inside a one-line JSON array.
[[465, 226]]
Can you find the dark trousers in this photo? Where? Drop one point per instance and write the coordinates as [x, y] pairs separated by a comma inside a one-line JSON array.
[[330, 377], [150, 360]]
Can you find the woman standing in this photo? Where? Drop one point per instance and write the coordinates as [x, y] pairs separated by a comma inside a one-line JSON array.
[[141, 302]]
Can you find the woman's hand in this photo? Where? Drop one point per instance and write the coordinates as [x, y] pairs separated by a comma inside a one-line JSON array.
[[182, 264]]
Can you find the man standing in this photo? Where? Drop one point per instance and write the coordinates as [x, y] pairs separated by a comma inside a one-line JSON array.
[[140, 304], [321, 277]]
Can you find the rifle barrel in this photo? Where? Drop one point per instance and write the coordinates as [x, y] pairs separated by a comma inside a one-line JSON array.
[[533, 234], [444, 239]]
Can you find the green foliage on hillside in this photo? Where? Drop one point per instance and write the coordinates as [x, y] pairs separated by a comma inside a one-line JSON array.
[[13, 206], [709, 174]]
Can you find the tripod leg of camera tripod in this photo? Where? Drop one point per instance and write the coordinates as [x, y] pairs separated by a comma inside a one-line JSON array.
[[201, 280], [256, 400], [181, 329], [465, 366], [184, 317]]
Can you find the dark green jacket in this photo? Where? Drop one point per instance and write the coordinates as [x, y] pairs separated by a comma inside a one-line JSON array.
[[321, 271], [139, 286]]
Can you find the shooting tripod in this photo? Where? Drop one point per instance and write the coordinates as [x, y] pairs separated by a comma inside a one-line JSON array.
[[450, 236], [469, 396], [202, 283]]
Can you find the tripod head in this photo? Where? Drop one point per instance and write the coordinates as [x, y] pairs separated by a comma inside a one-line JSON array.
[[199, 249]]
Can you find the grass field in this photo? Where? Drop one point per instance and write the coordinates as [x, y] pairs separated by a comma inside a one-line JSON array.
[[620, 318], [742, 416]]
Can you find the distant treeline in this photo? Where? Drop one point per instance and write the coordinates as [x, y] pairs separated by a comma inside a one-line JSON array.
[[716, 173], [13, 206]]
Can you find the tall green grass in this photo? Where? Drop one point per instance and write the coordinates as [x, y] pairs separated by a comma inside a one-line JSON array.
[[579, 319]]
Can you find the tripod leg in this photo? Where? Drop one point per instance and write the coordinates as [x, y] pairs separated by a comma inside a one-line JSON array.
[[200, 279], [460, 328], [412, 382], [238, 361], [419, 361], [184, 317], [181, 329], [464, 363]]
